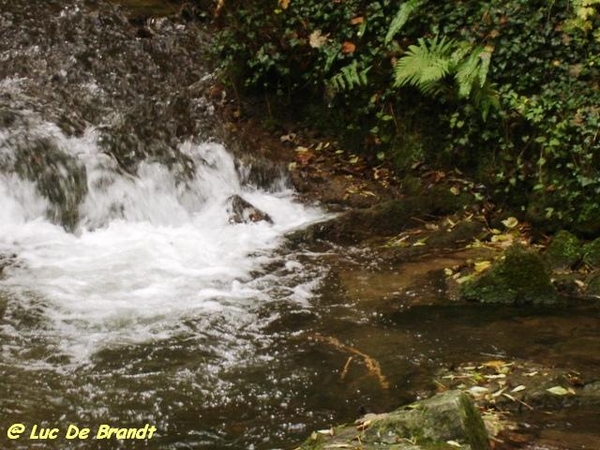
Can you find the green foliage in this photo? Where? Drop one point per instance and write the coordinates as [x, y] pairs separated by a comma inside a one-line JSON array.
[[585, 16], [404, 12], [413, 80], [349, 77], [427, 65]]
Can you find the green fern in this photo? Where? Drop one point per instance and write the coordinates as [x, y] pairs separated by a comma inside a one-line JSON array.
[[425, 64], [402, 16], [472, 71], [349, 77]]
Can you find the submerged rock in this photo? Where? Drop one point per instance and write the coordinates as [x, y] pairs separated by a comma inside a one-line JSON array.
[[242, 211], [427, 424], [521, 277]]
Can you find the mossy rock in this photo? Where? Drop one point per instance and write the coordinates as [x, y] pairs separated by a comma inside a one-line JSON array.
[[385, 219], [521, 277], [591, 253], [425, 425], [593, 286], [564, 251]]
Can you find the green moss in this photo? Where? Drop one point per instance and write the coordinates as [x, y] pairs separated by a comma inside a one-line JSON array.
[[564, 250], [593, 286], [521, 277], [591, 253], [474, 427]]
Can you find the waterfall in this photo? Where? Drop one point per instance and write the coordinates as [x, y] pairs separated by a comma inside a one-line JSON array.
[[148, 251], [127, 292]]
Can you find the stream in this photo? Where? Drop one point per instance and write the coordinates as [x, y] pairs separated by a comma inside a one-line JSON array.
[[128, 297]]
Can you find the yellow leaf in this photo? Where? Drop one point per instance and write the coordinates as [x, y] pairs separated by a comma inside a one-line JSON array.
[[284, 4], [482, 266], [510, 223], [558, 390], [494, 364]]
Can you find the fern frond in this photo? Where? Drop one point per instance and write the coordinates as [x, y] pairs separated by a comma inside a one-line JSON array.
[[349, 77], [486, 99], [402, 16], [428, 62], [466, 75], [473, 71], [486, 59]]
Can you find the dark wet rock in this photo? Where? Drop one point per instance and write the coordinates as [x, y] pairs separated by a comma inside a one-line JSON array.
[[427, 424], [591, 392], [385, 219], [568, 284], [520, 277], [242, 211], [591, 253], [86, 65], [459, 235], [564, 251], [445, 237]]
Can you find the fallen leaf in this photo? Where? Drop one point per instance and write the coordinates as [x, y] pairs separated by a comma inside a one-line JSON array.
[[510, 223], [478, 390], [519, 388], [453, 443], [482, 266], [357, 20], [348, 47], [284, 4], [498, 393], [558, 390], [317, 39]]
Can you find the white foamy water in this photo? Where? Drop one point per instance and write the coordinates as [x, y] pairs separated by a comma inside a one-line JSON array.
[[150, 253]]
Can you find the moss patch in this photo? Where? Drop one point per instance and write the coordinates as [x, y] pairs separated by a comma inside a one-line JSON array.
[[591, 253], [564, 251], [521, 277]]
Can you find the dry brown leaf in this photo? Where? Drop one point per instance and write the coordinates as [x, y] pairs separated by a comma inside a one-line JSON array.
[[348, 47], [317, 39]]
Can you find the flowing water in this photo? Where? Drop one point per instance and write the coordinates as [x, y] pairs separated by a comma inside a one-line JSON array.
[[127, 298]]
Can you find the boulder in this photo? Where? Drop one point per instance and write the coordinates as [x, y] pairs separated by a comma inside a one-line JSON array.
[[520, 277], [564, 251], [242, 211], [426, 424], [384, 219]]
